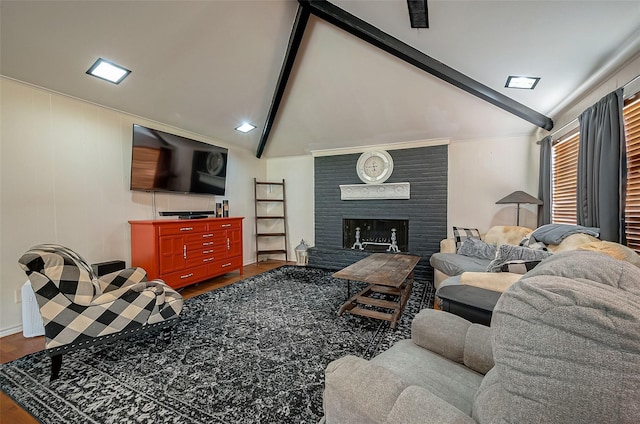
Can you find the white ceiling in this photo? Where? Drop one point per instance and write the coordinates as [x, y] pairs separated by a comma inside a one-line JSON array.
[[207, 66]]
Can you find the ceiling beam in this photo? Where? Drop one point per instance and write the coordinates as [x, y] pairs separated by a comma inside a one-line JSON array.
[[367, 32], [299, 25], [418, 13]]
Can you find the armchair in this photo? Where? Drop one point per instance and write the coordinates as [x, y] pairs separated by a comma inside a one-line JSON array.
[[79, 309], [563, 347]]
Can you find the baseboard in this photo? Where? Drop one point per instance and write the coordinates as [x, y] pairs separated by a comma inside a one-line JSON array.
[[11, 330]]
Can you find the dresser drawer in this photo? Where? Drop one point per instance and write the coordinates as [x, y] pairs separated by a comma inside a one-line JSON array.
[[197, 248], [227, 265], [186, 228], [199, 255], [202, 260], [186, 276], [224, 225], [207, 236]]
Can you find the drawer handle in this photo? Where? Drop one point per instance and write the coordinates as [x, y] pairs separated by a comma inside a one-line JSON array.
[[226, 225], [208, 259], [226, 265], [204, 252], [187, 276], [186, 229], [207, 244], [207, 235]]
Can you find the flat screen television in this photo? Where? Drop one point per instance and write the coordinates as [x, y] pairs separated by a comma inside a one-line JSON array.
[[166, 162]]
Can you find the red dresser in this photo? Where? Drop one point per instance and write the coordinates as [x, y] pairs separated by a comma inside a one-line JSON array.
[[183, 252]]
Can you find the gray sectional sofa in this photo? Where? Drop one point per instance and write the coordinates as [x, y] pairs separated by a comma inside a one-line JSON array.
[[563, 347]]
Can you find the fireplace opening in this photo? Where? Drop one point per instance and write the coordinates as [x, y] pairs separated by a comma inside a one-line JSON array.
[[376, 235]]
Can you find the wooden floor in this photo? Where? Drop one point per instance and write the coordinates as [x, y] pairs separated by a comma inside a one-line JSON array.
[[16, 346]]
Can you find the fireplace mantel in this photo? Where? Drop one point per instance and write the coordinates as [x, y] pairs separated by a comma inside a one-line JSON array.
[[375, 191]]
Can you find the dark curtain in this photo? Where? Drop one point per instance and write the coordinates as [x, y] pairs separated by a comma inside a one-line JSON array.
[[544, 182], [602, 167]]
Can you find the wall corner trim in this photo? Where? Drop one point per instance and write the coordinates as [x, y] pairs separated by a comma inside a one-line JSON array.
[[389, 146]]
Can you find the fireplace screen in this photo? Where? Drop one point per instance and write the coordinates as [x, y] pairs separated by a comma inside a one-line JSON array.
[[376, 235]]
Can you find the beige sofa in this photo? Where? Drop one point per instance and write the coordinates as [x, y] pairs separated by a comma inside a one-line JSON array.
[[497, 235]]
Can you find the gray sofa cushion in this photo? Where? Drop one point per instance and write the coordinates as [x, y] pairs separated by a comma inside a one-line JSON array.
[[566, 345], [443, 334], [491, 401], [478, 354], [450, 381], [454, 264], [453, 337], [345, 381], [416, 405], [451, 281]]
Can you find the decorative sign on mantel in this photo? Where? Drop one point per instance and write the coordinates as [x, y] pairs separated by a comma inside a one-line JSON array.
[[374, 191]]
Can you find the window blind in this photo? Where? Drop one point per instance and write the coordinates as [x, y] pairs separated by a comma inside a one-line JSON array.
[[631, 114], [564, 180]]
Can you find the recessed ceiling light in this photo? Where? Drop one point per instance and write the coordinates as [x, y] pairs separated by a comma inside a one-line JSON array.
[[522, 82], [245, 128], [108, 71]]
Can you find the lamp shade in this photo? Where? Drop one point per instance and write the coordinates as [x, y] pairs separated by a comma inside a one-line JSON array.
[[519, 197]]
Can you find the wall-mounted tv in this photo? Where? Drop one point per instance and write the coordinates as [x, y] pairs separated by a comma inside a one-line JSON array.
[[166, 162]]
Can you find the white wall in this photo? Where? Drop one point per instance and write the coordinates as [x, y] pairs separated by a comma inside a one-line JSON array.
[[297, 172], [567, 119], [64, 178], [482, 171]]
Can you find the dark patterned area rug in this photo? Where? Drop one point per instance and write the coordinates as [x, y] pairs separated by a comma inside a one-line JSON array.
[[252, 352]]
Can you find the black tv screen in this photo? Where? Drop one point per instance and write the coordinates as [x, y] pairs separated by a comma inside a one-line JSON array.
[[166, 162]]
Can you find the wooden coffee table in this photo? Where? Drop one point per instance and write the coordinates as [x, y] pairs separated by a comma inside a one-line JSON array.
[[386, 273]]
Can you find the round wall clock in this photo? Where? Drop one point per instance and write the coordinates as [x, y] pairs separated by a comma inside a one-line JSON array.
[[374, 167]]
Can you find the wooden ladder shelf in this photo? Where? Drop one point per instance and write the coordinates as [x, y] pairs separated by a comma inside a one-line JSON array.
[[270, 213]]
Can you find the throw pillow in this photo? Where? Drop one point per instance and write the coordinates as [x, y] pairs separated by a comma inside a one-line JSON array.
[[476, 248], [461, 234], [507, 253], [555, 233], [518, 266]]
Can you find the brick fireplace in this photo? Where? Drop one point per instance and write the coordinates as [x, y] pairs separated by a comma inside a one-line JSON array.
[[425, 212]]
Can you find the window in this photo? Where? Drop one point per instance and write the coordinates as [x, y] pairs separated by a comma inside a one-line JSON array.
[[631, 114], [564, 179], [564, 175]]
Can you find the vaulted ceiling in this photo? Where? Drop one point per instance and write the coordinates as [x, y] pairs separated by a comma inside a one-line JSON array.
[[208, 66]]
